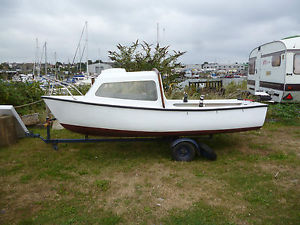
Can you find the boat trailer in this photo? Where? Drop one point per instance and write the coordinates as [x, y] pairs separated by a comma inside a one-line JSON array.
[[183, 148]]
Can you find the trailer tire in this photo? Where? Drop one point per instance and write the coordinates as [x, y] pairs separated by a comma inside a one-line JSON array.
[[184, 152], [207, 152]]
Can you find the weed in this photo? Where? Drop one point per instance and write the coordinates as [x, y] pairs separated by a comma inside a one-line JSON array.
[[102, 185], [286, 113], [147, 210], [27, 221], [200, 213], [83, 172], [278, 156], [198, 173], [259, 146], [25, 178]]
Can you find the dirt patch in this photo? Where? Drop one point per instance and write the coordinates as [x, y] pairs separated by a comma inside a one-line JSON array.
[[159, 188], [283, 175], [265, 142], [25, 199]]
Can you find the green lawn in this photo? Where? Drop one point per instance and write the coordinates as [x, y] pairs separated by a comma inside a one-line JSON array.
[[255, 180]]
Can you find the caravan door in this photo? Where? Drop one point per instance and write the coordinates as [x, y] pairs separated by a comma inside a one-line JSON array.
[[257, 71]]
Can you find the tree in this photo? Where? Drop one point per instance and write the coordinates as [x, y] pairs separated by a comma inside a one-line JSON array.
[[143, 56]]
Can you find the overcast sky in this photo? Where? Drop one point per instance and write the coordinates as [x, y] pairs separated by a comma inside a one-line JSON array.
[[223, 31]]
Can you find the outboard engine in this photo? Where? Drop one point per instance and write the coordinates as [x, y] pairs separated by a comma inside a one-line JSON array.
[[185, 97], [201, 101]]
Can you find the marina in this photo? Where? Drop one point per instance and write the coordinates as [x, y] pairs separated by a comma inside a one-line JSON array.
[[149, 112]]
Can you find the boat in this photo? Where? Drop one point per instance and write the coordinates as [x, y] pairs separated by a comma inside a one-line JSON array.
[[133, 104]]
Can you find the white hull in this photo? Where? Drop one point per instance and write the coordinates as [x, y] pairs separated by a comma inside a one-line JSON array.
[[90, 117]]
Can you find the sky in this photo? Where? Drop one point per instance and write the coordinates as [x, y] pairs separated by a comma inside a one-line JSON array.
[[208, 30]]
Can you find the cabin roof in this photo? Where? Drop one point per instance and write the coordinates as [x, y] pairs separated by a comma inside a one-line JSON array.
[[289, 43], [292, 42], [121, 74]]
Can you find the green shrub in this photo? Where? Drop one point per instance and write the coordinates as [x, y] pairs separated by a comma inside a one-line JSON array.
[[287, 113], [19, 93]]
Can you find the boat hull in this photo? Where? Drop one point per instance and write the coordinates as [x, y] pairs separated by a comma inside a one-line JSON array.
[[112, 120]]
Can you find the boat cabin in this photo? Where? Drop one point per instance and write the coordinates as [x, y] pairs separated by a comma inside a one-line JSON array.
[[142, 88]]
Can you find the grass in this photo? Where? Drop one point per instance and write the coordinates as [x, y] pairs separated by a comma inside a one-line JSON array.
[[254, 181]]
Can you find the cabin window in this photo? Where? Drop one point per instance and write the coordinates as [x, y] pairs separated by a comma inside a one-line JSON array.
[[134, 90], [297, 64], [276, 60], [252, 66]]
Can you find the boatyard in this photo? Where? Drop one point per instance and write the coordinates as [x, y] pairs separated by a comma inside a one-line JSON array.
[[138, 181], [254, 181], [157, 112]]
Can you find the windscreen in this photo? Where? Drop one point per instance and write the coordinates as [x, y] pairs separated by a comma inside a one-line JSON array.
[[134, 90]]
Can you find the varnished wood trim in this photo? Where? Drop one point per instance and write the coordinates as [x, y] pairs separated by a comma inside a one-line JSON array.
[[130, 133], [160, 87]]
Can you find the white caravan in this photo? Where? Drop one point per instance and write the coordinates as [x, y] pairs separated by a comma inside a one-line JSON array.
[[274, 68]]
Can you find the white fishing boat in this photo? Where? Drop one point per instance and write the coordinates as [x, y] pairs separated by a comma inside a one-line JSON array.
[[124, 103]]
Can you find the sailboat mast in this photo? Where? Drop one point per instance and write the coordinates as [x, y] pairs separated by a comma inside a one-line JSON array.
[[87, 60], [99, 56], [157, 34], [79, 59], [35, 59], [55, 69], [45, 57]]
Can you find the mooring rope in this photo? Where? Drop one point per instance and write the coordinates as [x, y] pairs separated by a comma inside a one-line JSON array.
[[32, 103]]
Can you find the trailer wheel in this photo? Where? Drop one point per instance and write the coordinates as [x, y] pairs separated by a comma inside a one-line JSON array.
[[183, 151]]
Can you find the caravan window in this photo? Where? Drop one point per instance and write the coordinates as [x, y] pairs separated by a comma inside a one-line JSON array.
[[276, 60], [252, 66], [297, 64], [134, 90]]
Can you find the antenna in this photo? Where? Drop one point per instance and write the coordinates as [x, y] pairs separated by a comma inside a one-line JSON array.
[[164, 36]]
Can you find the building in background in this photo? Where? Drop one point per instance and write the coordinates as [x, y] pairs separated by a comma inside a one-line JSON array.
[[239, 68], [96, 68]]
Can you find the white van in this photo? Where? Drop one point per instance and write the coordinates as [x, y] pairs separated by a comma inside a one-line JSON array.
[[274, 68]]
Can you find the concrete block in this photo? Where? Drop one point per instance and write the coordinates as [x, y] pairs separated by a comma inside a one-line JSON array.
[[30, 119], [8, 133], [56, 125]]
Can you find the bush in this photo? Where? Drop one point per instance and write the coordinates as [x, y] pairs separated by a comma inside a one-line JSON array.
[[19, 93], [286, 113], [232, 90]]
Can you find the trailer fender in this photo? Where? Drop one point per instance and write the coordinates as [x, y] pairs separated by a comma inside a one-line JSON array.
[[189, 140]]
